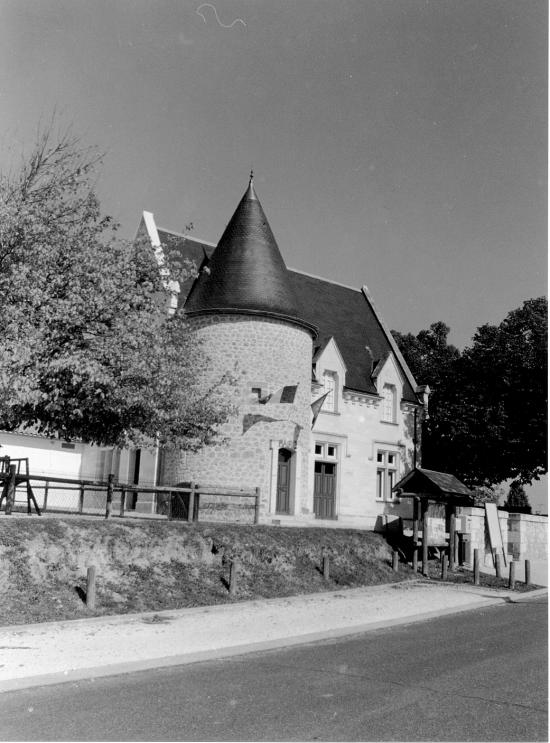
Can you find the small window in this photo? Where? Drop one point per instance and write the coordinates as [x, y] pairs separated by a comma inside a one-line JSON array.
[[331, 451], [389, 403], [319, 449], [329, 386], [386, 474]]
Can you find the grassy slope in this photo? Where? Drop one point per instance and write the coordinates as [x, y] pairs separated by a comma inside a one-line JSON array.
[[144, 566]]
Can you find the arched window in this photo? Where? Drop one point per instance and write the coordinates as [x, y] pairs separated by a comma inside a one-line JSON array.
[[389, 403]]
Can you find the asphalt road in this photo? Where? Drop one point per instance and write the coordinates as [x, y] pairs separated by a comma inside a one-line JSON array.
[[480, 675]]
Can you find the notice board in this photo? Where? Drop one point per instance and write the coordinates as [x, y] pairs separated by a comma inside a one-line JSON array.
[[493, 527]]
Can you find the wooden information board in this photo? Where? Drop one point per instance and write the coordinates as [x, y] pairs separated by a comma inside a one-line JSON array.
[[493, 527]]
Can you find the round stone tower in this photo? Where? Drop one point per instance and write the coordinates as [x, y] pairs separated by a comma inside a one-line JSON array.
[[247, 317]]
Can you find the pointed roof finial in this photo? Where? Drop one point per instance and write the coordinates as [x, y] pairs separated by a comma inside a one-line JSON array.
[[251, 175]]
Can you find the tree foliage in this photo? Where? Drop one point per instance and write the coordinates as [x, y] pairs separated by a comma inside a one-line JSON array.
[[488, 404], [517, 500], [87, 350]]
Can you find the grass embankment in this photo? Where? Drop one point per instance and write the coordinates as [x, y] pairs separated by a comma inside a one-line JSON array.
[[151, 566]]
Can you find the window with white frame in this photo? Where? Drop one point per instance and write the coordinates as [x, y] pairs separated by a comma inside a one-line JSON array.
[[389, 403], [329, 386], [325, 450], [387, 465]]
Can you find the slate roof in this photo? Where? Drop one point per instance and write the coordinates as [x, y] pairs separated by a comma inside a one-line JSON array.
[[335, 310], [246, 271], [420, 480]]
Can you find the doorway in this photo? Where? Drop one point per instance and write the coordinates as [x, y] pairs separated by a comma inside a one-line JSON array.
[[284, 466], [324, 490]]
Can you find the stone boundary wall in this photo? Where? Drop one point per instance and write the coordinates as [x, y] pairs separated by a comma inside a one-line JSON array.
[[525, 536]]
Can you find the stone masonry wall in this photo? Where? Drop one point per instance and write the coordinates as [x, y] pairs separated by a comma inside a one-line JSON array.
[[262, 353], [525, 537]]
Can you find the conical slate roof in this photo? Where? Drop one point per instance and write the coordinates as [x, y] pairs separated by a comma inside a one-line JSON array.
[[246, 273]]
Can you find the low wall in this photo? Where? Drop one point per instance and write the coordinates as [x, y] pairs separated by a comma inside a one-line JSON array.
[[524, 536]]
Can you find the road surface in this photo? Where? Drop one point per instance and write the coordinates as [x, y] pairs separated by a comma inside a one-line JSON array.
[[479, 675]]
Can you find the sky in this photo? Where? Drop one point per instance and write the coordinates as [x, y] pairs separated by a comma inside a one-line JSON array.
[[399, 144]]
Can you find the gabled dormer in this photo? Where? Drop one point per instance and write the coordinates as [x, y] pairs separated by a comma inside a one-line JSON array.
[[389, 380], [329, 374]]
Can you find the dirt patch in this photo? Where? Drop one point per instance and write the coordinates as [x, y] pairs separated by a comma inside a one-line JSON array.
[[153, 566]]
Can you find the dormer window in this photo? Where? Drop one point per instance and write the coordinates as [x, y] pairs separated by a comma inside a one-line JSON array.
[[389, 407], [329, 386]]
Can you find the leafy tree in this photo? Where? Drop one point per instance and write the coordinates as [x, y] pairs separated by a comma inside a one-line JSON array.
[[488, 407], [87, 350], [517, 500]]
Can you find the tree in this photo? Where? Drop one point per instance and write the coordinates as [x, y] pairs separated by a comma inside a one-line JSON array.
[[87, 350], [434, 361], [488, 407], [517, 500]]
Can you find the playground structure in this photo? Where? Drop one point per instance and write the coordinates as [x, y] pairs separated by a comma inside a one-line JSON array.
[[15, 472]]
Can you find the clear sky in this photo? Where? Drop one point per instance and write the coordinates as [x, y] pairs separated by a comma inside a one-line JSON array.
[[395, 143]]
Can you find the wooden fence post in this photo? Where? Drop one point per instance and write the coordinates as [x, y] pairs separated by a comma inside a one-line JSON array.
[[233, 577], [90, 588], [122, 502], [196, 504], [81, 499], [416, 509], [512, 577], [425, 538], [443, 565], [452, 532], [46, 489], [527, 572], [257, 506], [10, 492], [498, 565], [395, 561], [326, 567], [109, 503], [476, 567], [191, 503]]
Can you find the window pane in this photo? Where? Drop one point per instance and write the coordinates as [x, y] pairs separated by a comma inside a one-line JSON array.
[[380, 484], [380, 456], [331, 451], [329, 385], [391, 482], [318, 448], [391, 458], [388, 403]]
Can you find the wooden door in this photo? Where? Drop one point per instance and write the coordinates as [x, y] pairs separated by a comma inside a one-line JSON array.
[[324, 490], [283, 481]]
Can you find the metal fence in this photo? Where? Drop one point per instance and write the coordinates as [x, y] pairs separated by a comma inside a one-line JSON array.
[[191, 502]]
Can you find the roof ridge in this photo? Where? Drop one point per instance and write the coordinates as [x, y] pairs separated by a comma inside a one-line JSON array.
[[187, 236], [322, 278]]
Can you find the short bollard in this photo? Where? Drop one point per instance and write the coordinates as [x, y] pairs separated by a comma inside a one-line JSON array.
[[476, 567], [527, 572], [415, 560], [90, 587], [498, 566], [326, 567], [395, 561], [233, 577], [512, 578], [443, 566]]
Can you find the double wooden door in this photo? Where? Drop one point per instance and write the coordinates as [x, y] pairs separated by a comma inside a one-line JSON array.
[[324, 490]]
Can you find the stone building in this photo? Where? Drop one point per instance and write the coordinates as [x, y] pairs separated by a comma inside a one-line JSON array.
[[329, 415]]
